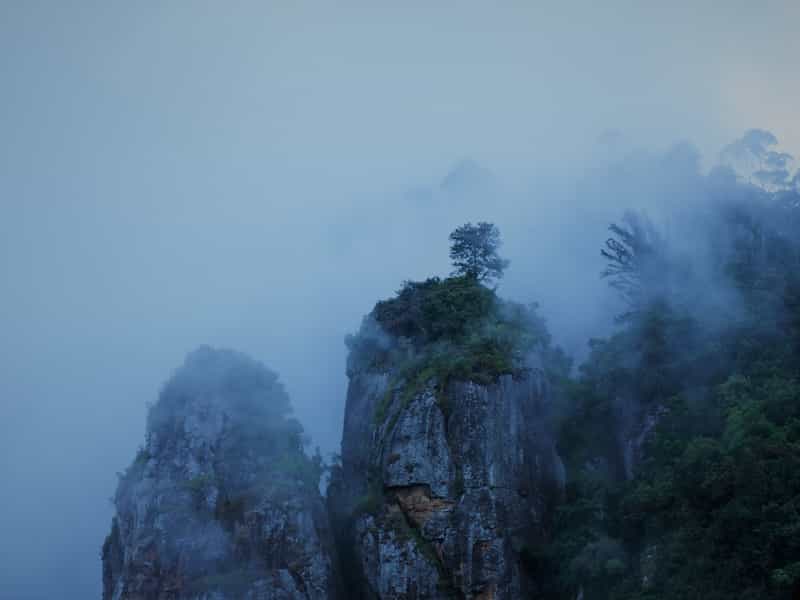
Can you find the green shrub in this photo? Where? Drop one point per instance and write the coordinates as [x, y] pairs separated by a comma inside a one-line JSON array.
[[438, 331]]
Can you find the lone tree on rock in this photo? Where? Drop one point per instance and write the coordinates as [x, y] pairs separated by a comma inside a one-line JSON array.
[[473, 250]]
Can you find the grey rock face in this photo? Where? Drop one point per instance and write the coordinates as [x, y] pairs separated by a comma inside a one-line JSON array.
[[636, 423], [441, 490], [221, 502]]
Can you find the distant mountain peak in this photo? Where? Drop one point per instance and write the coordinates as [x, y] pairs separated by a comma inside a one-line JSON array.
[[468, 175]]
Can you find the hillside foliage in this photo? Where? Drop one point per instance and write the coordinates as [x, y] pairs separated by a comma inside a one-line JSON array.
[[705, 501]]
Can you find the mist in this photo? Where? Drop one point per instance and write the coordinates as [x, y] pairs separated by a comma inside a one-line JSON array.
[[256, 175]]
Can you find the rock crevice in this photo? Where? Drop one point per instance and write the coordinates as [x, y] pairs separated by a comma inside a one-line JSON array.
[[457, 480]]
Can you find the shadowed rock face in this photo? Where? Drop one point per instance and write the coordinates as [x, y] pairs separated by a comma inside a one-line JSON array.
[[437, 498], [221, 502]]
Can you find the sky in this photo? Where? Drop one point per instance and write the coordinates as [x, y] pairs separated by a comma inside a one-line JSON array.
[[255, 175]]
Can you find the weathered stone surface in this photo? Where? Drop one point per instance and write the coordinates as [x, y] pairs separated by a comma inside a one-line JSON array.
[[204, 513], [414, 446], [392, 560], [441, 492]]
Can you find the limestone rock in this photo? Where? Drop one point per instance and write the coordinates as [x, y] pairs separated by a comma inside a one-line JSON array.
[[221, 502]]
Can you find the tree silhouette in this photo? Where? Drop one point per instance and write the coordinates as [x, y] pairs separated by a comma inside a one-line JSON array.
[[473, 250]]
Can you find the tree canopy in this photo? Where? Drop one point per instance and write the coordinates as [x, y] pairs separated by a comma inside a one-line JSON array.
[[473, 251], [681, 432]]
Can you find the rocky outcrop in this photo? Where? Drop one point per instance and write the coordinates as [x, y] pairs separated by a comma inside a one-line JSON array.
[[440, 489], [634, 432], [221, 501]]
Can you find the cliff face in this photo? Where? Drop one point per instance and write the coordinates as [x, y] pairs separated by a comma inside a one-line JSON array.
[[448, 470], [441, 489], [221, 502]]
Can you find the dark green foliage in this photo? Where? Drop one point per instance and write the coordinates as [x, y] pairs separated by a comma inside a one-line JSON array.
[[712, 509], [635, 258], [442, 330], [432, 310], [727, 507], [473, 250], [586, 431]]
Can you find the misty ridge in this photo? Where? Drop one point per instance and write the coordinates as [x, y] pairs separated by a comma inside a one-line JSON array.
[[659, 461]]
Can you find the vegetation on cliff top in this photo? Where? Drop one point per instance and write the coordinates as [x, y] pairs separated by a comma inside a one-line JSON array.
[[451, 329]]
